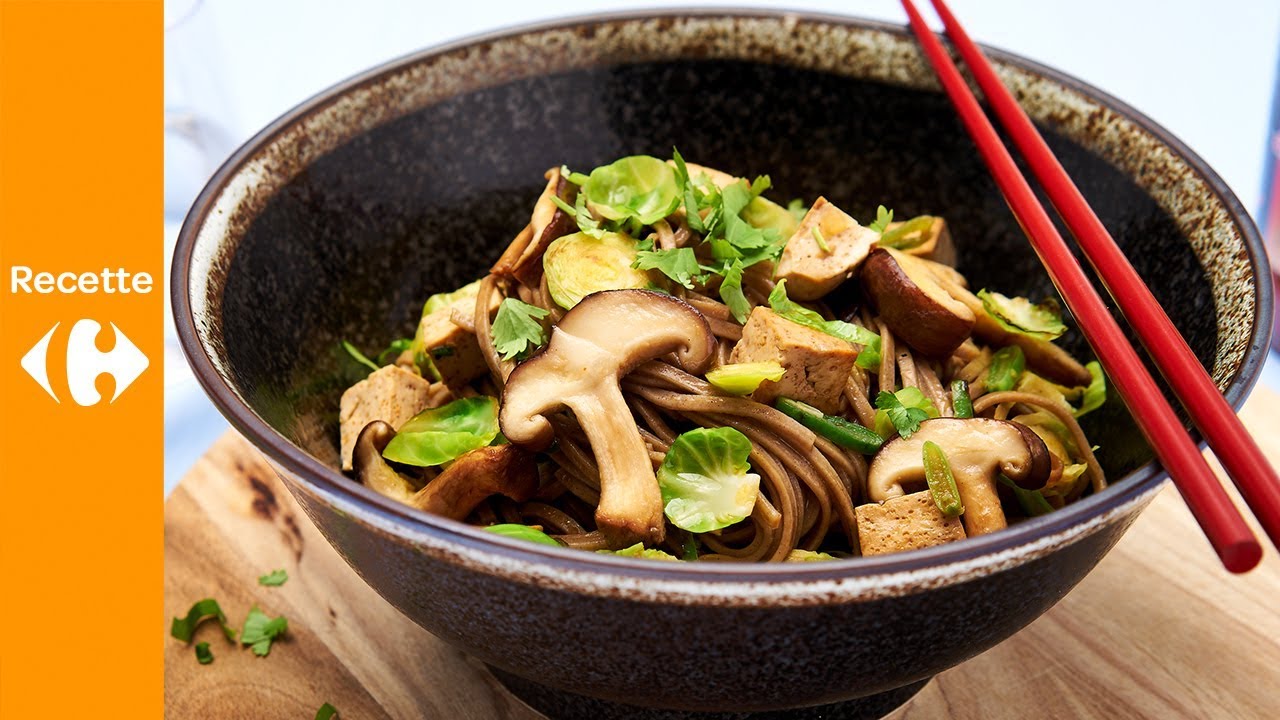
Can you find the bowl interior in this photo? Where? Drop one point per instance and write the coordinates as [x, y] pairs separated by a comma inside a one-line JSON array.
[[348, 244]]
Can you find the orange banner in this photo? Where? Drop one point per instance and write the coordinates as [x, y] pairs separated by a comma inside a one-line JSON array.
[[81, 318]]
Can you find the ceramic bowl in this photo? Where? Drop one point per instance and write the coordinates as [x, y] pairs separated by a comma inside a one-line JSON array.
[[336, 221]]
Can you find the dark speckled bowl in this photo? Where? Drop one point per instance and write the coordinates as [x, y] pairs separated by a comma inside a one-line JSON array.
[[338, 219]]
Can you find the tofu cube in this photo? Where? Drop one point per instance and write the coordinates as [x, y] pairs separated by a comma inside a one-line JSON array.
[[812, 272], [391, 394], [905, 522], [817, 365], [452, 347]]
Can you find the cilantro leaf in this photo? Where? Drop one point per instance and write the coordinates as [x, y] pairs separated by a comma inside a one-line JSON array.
[[883, 218], [693, 203], [275, 578], [679, 264], [184, 628], [260, 630], [204, 655], [517, 329], [905, 419], [856, 334], [326, 712], [731, 291]]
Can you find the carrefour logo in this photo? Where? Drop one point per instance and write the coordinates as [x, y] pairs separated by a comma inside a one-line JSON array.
[[124, 362]]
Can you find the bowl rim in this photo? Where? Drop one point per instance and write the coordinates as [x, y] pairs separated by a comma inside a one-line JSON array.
[[334, 488]]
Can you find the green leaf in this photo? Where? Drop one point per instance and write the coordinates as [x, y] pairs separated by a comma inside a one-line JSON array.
[[798, 555], [1007, 366], [393, 350], [909, 234], [640, 551], [517, 329], [1096, 393], [359, 356], [883, 218], [580, 264], [441, 301], [856, 334], [260, 630], [798, 209], [705, 479], [587, 222], [576, 178], [744, 378], [522, 532], [1020, 315], [326, 712], [204, 655], [903, 412], [693, 201], [1032, 502], [640, 187], [679, 264], [275, 578], [690, 548], [184, 628], [731, 291], [442, 434]]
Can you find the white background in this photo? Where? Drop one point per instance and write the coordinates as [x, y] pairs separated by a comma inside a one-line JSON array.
[[1205, 70]]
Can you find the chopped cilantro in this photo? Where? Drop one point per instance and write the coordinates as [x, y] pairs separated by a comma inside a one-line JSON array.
[[184, 628], [906, 419], [326, 712], [822, 242], [358, 356], [275, 578], [517, 329], [260, 630], [204, 655], [679, 264], [883, 218]]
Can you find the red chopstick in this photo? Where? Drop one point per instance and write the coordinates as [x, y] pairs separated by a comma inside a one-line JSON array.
[[1236, 450], [1222, 524]]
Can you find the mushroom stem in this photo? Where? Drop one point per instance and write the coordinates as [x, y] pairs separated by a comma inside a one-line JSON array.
[[982, 511], [626, 475]]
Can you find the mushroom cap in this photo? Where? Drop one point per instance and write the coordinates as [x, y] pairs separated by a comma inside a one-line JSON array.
[[914, 305], [973, 446], [603, 337]]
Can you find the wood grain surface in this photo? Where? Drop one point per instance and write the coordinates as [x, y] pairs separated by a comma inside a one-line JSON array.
[[1158, 630]]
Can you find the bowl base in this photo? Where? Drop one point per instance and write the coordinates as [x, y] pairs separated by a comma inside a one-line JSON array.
[[562, 705]]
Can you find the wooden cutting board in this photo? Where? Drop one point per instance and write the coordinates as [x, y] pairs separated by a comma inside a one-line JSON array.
[[1158, 630]]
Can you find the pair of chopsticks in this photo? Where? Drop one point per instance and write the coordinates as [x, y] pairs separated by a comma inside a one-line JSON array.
[[1221, 522]]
